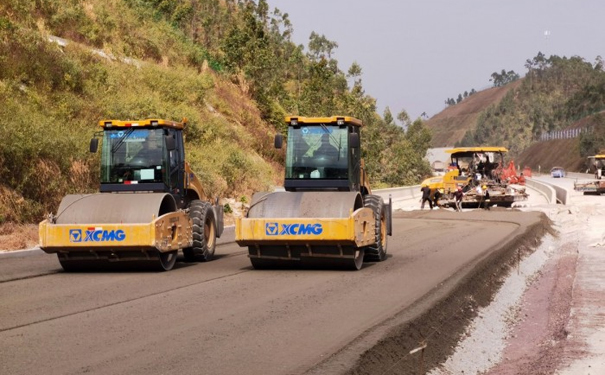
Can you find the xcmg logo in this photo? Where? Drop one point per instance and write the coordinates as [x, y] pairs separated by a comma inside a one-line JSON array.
[[277, 229], [96, 235]]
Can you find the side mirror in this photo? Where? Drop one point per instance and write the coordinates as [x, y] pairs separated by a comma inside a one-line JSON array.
[[170, 143], [354, 140], [94, 145], [279, 140]]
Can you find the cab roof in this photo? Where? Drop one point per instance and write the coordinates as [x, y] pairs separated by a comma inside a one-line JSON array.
[[333, 120], [476, 149], [108, 124]]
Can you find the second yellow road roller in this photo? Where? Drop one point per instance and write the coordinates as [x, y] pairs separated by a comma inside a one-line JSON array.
[[326, 215]]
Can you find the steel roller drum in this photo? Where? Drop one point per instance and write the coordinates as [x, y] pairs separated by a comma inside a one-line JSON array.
[[107, 208], [304, 204]]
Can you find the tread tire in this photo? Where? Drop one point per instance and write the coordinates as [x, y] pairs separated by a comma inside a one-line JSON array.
[[378, 251], [204, 232]]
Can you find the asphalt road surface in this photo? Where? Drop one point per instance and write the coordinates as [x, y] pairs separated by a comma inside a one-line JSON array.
[[223, 317]]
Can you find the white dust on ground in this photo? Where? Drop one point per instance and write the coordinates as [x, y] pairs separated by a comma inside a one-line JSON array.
[[486, 338], [584, 352]]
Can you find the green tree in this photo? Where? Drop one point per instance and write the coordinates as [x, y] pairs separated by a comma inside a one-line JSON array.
[[419, 137], [320, 47], [404, 118], [388, 116]]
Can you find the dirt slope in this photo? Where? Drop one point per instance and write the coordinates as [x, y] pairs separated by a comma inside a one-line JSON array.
[[559, 152], [449, 125]]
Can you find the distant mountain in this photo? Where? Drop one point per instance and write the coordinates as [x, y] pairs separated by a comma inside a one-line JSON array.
[[553, 116], [450, 125]]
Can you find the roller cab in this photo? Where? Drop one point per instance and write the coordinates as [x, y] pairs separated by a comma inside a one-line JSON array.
[[327, 216]]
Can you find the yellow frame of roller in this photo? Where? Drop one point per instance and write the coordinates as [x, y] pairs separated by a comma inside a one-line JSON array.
[[356, 230], [169, 232]]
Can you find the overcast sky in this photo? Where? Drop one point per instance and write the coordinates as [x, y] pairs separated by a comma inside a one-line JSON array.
[[416, 54]]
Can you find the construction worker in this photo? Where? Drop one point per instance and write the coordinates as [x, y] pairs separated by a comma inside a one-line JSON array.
[[458, 194], [426, 196], [436, 195]]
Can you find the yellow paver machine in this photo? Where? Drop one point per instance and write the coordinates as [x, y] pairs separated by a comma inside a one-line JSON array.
[[149, 206], [477, 166], [327, 216], [594, 186]]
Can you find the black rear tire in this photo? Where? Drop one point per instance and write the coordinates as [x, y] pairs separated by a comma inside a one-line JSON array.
[[378, 251], [204, 232]]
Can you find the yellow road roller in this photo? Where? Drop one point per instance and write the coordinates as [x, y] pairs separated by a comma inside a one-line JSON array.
[[326, 216], [149, 205]]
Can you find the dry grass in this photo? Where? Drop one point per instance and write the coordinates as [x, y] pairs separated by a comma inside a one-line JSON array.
[[18, 236]]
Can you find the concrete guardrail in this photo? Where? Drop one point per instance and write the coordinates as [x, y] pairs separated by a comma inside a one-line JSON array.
[[545, 189], [400, 193], [562, 194]]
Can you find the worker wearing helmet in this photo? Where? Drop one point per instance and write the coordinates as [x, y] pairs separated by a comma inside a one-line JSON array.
[[486, 197]]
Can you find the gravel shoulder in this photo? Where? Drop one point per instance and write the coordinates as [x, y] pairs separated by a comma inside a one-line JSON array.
[[440, 319], [544, 315], [559, 325]]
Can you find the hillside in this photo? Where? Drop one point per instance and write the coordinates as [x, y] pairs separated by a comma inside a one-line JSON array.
[[542, 156], [229, 67], [566, 153], [450, 125], [557, 94]]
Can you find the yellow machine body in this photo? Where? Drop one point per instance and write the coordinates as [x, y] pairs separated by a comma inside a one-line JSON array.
[[149, 206], [594, 186], [452, 179], [356, 230], [327, 215], [463, 171], [101, 226]]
